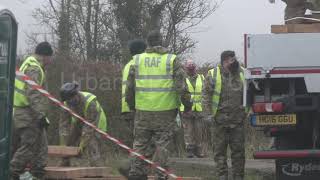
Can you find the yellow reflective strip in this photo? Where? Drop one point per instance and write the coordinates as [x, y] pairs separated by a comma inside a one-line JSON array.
[[31, 61], [20, 91], [88, 98], [168, 64], [215, 105], [142, 89], [190, 87], [137, 68], [165, 77]]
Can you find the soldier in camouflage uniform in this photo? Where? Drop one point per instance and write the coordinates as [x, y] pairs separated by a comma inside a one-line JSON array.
[[222, 103], [29, 141], [297, 8], [194, 128], [155, 86], [314, 6], [74, 133], [136, 46], [294, 8]]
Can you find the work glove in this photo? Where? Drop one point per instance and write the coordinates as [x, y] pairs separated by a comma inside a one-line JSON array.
[[208, 120]]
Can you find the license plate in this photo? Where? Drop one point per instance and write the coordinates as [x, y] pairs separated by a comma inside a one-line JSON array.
[[273, 120]]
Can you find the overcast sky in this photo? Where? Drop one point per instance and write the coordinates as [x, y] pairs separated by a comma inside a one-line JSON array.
[[224, 29]]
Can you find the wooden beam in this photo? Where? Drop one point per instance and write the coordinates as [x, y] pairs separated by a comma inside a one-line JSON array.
[[76, 172], [295, 28], [278, 29], [63, 151]]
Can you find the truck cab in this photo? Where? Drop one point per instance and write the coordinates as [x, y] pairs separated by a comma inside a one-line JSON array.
[[283, 90], [8, 44]]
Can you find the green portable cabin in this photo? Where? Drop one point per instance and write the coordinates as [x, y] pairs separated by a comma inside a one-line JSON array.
[[8, 44]]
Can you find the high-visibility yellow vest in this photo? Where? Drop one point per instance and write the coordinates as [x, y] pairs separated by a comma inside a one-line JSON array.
[[101, 117], [196, 94], [216, 77], [154, 89], [125, 73], [20, 98]]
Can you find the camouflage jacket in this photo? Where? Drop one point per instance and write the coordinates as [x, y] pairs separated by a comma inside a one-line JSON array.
[[230, 109], [179, 76], [32, 114], [91, 115], [315, 5], [295, 3]]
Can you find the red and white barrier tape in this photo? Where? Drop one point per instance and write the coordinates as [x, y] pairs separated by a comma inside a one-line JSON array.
[[34, 85]]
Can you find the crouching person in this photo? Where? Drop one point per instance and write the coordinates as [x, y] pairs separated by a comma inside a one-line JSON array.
[[75, 133]]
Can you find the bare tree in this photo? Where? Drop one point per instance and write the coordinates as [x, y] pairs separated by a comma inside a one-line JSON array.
[[79, 25], [100, 29], [175, 18], [64, 28], [180, 18]]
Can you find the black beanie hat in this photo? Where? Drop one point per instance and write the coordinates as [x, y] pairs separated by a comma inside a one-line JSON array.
[[44, 48], [137, 46], [226, 54]]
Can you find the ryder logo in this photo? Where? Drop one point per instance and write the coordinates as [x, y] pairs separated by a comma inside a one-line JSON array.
[[296, 169]]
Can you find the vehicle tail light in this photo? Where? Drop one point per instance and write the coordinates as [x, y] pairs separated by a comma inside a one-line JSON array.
[[287, 154], [255, 72], [268, 107], [274, 130]]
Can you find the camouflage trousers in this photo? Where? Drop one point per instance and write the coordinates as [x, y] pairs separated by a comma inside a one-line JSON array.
[[234, 138], [153, 132], [29, 149], [91, 155], [295, 8], [195, 132], [128, 119]]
